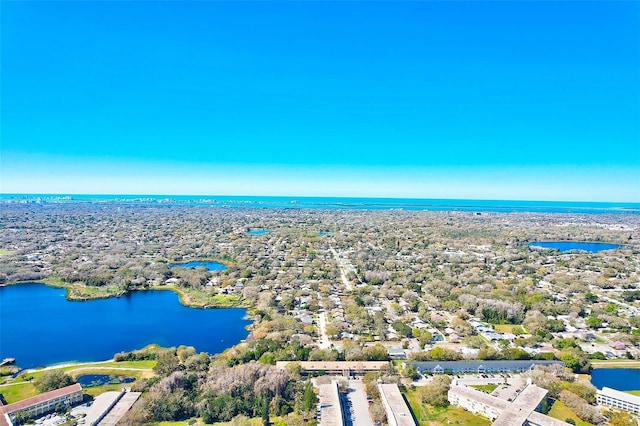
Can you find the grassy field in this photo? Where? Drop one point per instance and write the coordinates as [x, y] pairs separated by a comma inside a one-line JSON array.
[[562, 412], [435, 416], [4, 252], [616, 363], [510, 328], [19, 389], [634, 392]]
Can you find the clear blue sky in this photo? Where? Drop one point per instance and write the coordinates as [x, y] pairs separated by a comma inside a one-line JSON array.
[[501, 100]]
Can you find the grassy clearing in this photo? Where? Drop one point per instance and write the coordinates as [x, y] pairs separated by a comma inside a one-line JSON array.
[[101, 365], [562, 412], [18, 391], [616, 363], [79, 291], [5, 252], [435, 416], [485, 388], [634, 392], [510, 328]]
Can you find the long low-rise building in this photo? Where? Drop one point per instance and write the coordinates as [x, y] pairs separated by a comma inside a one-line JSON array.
[[41, 404], [330, 405], [519, 412], [398, 412], [620, 400], [479, 367], [345, 368]]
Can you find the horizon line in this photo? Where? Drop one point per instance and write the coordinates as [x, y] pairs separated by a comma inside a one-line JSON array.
[[69, 194]]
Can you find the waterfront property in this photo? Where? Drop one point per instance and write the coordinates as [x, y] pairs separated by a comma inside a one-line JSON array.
[[518, 412], [345, 368], [478, 367], [398, 412], [620, 400], [40, 405]]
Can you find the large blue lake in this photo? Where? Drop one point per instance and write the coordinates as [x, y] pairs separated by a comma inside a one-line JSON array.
[[622, 379], [565, 246], [38, 326]]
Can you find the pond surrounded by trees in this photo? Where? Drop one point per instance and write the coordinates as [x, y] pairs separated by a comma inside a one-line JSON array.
[[622, 379], [211, 266], [565, 246], [40, 327], [91, 380]]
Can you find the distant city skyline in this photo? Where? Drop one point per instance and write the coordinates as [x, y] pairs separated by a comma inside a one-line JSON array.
[[460, 100]]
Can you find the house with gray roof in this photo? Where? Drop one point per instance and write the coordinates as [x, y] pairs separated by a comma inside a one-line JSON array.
[[478, 367]]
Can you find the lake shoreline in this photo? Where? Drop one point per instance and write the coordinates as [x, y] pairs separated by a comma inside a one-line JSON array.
[[122, 314], [616, 364], [74, 293]]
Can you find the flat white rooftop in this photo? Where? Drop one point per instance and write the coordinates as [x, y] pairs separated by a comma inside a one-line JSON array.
[[398, 412], [330, 408]]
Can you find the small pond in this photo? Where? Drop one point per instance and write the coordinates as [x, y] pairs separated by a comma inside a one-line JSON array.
[[259, 231], [565, 246], [324, 233], [212, 266], [92, 380], [622, 379]]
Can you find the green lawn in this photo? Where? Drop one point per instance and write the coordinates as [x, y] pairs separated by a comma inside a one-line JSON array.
[[435, 416], [510, 328], [4, 252], [562, 412], [17, 392], [634, 392]]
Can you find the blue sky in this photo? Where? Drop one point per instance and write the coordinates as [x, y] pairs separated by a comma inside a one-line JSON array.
[[499, 100]]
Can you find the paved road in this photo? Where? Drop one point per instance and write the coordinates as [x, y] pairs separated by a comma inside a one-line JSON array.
[[342, 266], [358, 398], [322, 324]]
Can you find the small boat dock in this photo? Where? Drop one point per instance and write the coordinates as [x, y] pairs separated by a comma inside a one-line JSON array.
[[7, 361]]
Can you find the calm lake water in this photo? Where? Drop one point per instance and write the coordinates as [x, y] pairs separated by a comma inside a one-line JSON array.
[[574, 245], [212, 266], [258, 231], [38, 326], [622, 379]]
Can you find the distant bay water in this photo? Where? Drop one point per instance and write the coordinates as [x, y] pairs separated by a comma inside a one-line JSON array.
[[39, 327], [340, 203]]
